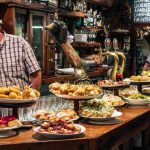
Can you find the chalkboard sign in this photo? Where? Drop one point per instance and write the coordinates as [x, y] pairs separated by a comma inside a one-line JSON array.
[[141, 11]]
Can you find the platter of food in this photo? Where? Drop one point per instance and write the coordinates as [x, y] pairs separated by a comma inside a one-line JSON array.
[[128, 91], [113, 115], [99, 110], [70, 97], [146, 73], [146, 90], [60, 136], [9, 123], [68, 114], [16, 101], [139, 80], [137, 99], [14, 95], [110, 100], [109, 84], [113, 100], [59, 128], [75, 92]]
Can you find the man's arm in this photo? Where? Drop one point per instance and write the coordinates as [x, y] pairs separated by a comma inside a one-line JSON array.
[[146, 66], [36, 80]]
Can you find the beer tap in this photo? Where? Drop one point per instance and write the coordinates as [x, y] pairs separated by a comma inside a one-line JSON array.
[[120, 55], [109, 53]]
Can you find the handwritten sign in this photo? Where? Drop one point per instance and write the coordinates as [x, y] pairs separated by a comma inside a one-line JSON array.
[[141, 11]]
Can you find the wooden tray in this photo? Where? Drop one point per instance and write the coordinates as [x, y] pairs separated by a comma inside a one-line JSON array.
[[137, 82], [112, 87], [80, 98], [16, 103]]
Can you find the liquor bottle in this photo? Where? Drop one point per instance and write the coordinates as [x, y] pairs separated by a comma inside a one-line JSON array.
[[95, 18], [90, 18], [69, 5], [84, 5], [100, 21]]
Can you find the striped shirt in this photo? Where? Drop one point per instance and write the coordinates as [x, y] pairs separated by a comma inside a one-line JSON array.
[[17, 61]]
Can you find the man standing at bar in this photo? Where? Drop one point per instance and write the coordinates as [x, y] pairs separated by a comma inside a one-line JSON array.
[[147, 63], [18, 64]]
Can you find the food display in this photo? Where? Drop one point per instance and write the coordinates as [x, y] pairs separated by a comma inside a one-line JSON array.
[[96, 108], [146, 90], [57, 125], [111, 83], [43, 114], [146, 73], [75, 90], [9, 122], [127, 92], [67, 114], [139, 78], [137, 99], [14, 92], [138, 96], [113, 100]]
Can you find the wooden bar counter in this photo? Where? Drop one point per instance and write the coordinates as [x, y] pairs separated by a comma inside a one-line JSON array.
[[97, 137]]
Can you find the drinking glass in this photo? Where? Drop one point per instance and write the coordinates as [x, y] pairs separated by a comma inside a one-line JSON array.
[[5, 112]]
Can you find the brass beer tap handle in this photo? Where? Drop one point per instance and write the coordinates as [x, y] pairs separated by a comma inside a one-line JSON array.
[[123, 61], [120, 54], [115, 66]]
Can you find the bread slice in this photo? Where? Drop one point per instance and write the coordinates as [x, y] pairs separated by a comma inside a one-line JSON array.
[[3, 124], [14, 123]]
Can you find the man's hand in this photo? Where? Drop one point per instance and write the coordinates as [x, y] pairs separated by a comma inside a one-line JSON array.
[[146, 66], [36, 80]]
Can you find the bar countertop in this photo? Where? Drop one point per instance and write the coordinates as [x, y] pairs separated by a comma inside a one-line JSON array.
[[133, 120]]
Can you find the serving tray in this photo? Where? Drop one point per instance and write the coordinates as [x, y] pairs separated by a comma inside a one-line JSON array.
[[69, 97]]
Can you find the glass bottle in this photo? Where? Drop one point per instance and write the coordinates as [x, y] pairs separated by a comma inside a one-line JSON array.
[[84, 5], [95, 18], [100, 21]]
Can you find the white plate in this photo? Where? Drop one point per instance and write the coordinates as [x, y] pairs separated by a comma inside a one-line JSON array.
[[9, 133], [133, 81], [114, 115], [9, 128], [67, 115], [12, 101], [60, 136], [146, 90], [111, 86], [106, 122], [75, 118], [78, 97], [127, 80], [137, 101]]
